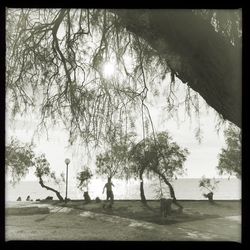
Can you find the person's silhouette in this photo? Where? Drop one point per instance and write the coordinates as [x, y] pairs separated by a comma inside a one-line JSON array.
[[109, 191]]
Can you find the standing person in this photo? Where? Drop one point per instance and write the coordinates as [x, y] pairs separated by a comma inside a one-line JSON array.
[[109, 191], [166, 201]]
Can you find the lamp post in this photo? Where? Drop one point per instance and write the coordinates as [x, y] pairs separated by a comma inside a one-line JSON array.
[[67, 161]]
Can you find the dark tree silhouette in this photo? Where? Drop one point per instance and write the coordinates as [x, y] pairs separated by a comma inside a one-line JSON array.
[[202, 48]]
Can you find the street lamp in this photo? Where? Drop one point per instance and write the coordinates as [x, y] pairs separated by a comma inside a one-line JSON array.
[[67, 161]]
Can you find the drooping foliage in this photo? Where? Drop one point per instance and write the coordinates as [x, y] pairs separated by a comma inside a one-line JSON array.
[[56, 60]]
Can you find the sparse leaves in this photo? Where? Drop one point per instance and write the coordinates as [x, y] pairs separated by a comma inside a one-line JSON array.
[[209, 184], [230, 157], [19, 158], [113, 162], [83, 178], [42, 167]]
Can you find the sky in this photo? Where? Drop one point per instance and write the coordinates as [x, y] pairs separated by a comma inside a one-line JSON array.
[[202, 160]]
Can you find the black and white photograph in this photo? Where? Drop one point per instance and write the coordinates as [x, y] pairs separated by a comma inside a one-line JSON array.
[[123, 124]]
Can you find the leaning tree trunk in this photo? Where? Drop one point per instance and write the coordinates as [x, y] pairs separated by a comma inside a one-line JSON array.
[[51, 189], [171, 189], [143, 198], [195, 53]]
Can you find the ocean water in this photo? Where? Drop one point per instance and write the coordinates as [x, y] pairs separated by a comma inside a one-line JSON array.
[[185, 189]]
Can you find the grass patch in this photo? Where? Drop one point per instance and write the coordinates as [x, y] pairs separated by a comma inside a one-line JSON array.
[[27, 210], [193, 210]]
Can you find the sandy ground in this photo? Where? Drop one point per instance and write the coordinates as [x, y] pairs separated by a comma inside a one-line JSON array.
[[128, 220]]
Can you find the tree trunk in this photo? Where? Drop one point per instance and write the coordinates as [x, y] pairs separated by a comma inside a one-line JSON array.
[[171, 189], [51, 189], [143, 198]]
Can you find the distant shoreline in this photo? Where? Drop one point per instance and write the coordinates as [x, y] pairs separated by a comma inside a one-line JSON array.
[[185, 189], [179, 178], [122, 200]]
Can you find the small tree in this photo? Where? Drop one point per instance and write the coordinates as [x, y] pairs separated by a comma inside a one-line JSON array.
[[20, 157], [160, 156], [230, 157], [84, 179], [43, 170], [210, 185]]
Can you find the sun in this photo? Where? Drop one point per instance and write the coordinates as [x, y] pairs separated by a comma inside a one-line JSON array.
[[108, 69]]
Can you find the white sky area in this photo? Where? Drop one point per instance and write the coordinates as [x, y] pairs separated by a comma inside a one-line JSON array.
[[202, 160]]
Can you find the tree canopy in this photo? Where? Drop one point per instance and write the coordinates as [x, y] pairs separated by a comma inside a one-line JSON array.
[[55, 61], [19, 157], [160, 156], [159, 153], [114, 160]]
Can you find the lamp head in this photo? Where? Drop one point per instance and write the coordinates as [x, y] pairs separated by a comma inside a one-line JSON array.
[[67, 161]]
